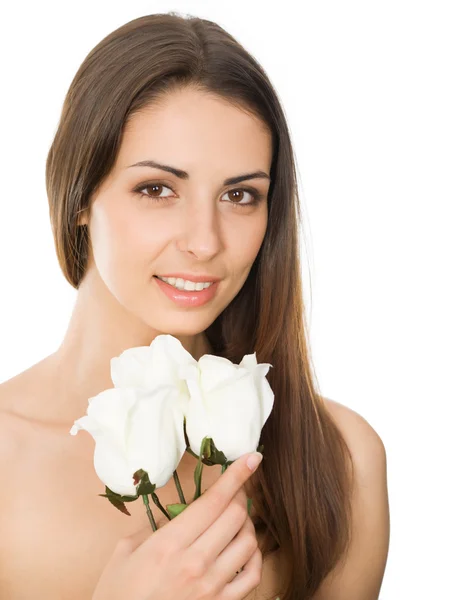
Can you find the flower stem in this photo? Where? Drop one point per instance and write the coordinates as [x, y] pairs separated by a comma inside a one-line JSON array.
[[145, 499], [155, 498], [178, 487], [189, 449], [198, 479], [199, 469]]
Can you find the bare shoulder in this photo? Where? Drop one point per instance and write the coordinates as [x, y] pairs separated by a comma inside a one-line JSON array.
[[360, 436], [17, 395], [11, 446], [360, 573], [20, 394], [11, 393]]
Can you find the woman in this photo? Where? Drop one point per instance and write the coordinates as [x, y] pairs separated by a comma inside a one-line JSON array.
[[172, 164]]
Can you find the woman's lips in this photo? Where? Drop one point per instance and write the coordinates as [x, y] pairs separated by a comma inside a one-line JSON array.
[[187, 298]]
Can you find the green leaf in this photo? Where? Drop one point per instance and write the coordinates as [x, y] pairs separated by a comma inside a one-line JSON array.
[[175, 509], [117, 503], [249, 505]]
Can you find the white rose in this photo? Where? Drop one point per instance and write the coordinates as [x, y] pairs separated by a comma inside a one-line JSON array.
[[135, 429], [229, 403], [147, 367]]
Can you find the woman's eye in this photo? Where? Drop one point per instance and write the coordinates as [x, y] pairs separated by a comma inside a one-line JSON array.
[[236, 196], [155, 187]]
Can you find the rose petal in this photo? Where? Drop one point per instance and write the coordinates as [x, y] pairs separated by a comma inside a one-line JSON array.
[[156, 435], [217, 371], [129, 369], [112, 467], [109, 459], [110, 409]]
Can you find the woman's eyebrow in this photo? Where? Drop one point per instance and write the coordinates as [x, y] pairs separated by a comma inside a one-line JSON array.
[[184, 175]]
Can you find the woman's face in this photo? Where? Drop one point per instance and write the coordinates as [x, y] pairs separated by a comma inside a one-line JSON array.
[[145, 221]]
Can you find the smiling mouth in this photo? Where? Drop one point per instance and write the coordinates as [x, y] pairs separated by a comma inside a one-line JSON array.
[[183, 290], [187, 298]]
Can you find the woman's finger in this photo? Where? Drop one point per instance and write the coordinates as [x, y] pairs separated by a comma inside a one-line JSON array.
[[246, 581]]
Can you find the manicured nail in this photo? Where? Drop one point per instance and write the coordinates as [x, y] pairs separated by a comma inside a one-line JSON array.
[[253, 460]]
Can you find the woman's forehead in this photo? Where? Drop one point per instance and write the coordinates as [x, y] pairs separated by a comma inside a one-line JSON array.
[[191, 129]]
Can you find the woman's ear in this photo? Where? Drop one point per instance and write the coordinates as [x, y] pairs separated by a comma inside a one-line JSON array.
[[83, 218]]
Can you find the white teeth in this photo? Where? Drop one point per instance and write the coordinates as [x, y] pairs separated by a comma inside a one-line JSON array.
[[182, 284], [179, 284]]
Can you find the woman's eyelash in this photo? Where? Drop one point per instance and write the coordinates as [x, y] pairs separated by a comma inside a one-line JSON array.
[[256, 195]]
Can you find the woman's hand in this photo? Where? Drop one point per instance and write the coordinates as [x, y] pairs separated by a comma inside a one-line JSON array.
[[196, 555]]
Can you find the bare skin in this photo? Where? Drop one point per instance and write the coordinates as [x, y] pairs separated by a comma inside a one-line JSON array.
[[57, 533]]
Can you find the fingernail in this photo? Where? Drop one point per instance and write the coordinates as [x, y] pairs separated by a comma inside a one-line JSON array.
[[253, 460]]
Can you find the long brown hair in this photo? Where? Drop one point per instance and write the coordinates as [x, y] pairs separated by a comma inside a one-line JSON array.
[[302, 496]]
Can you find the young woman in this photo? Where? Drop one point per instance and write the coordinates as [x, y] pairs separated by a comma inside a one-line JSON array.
[[172, 164]]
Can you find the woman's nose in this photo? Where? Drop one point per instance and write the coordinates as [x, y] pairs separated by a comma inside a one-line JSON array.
[[200, 232]]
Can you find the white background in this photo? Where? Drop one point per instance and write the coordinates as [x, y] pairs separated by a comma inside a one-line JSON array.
[[372, 95]]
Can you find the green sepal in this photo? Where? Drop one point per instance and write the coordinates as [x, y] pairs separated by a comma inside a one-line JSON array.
[[175, 509], [118, 504], [118, 501], [109, 492], [210, 454], [144, 487]]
